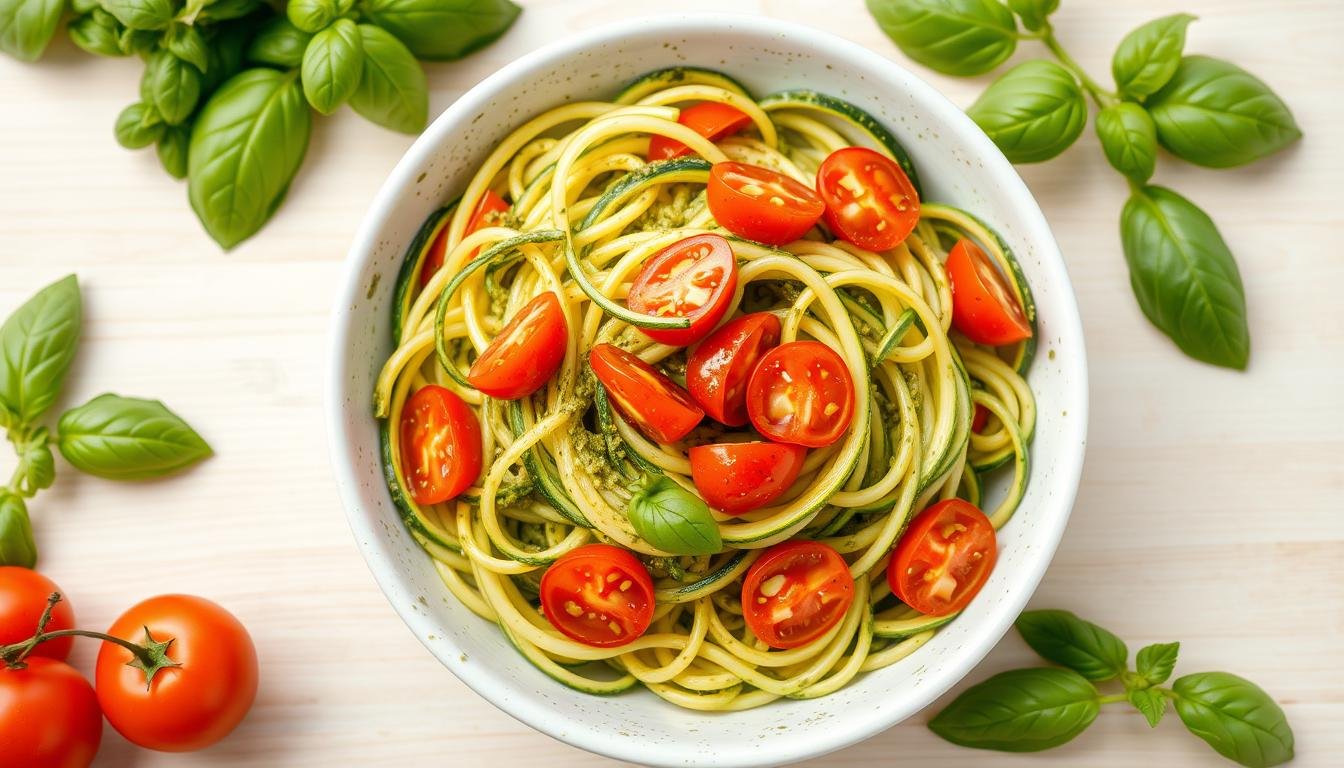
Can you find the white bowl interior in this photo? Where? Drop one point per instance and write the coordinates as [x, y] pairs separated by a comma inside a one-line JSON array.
[[956, 163]]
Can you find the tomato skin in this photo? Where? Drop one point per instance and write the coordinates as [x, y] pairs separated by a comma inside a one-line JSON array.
[[711, 119], [440, 445], [693, 278], [188, 707], [717, 371], [578, 583], [984, 307], [491, 205], [526, 353], [49, 716], [23, 598], [815, 590], [979, 418], [969, 549], [653, 403], [753, 216], [869, 200], [739, 477], [793, 388]]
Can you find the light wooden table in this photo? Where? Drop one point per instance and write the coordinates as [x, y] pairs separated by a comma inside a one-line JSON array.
[[1210, 509]]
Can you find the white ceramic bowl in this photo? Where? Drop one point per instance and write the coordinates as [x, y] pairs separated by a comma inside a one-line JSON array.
[[957, 164]]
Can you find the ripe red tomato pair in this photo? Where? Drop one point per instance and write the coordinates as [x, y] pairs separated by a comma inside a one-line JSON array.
[[51, 716]]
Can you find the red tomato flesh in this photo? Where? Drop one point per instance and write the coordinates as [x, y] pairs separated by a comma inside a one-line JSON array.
[[526, 353], [710, 119], [598, 595], [944, 558], [984, 307], [440, 445], [486, 214], [801, 393], [23, 598], [717, 371], [795, 592], [739, 477], [653, 403], [979, 418], [693, 278], [869, 200], [760, 204]]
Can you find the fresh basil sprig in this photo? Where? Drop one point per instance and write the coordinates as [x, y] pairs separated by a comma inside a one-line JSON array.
[[110, 436], [673, 519], [1028, 710], [1203, 110], [26, 26]]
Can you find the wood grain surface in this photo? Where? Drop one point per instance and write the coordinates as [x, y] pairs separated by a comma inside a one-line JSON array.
[[1210, 509]]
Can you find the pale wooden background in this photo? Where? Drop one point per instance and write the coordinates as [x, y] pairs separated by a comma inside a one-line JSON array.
[[1209, 512]]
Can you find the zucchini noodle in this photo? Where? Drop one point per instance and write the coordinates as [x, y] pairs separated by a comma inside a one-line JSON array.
[[586, 212]]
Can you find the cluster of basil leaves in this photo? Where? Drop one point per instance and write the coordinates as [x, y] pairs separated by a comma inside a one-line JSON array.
[[1028, 710], [1201, 109], [228, 84], [120, 438]]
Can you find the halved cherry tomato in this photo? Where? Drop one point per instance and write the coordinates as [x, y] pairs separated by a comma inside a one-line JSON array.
[[188, 706], [693, 278], [599, 595], [943, 558], [49, 715], [740, 477], [869, 200], [760, 204], [983, 305], [979, 418], [795, 592], [710, 119], [801, 393], [657, 407], [525, 354], [718, 369], [23, 598], [440, 445], [486, 214]]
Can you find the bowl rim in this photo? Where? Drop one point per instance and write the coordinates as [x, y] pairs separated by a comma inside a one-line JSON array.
[[481, 678]]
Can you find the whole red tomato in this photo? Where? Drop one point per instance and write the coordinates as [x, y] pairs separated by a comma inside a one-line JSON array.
[[188, 706], [49, 716], [23, 597]]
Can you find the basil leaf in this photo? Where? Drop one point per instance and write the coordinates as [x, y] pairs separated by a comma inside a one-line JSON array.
[[174, 86], [246, 145], [1023, 710], [81, 7], [1150, 702], [99, 33], [442, 29], [955, 37], [280, 44], [392, 91], [37, 467], [1080, 645], [1033, 112], [1129, 139], [1216, 114], [26, 26], [332, 65], [37, 344], [142, 14], [124, 438], [140, 42], [138, 125], [223, 10], [673, 519], [1148, 56], [16, 532], [312, 15], [1033, 12], [1155, 662], [186, 43], [226, 53], [172, 150], [1184, 276], [1236, 717]]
